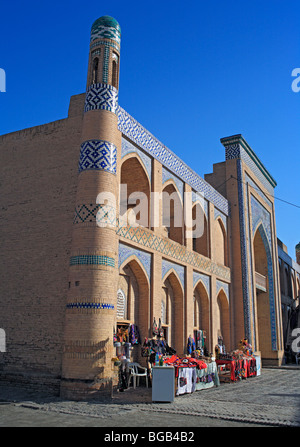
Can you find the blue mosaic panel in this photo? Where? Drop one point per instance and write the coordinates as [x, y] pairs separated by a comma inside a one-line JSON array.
[[222, 285], [271, 288], [128, 148], [260, 214], [139, 135], [205, 279], [101, 96], [98, 155], [92, 260], [85, 305], [217, 214], [244, 251], [196, 197], [237, 148], [167, 175], [179, 269], [105, 32], [257, 189], [125, 251]]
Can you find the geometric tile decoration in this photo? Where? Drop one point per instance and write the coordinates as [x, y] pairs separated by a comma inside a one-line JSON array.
[[178, 252], [196, 197], [257, 189], [167, 175], [146, 141], [128, 148], [205, 279], [98, 155], [105, 65], [101, 96], [125, 251], [260, 215], [84, 305], [237, 147], [222, 285], [244, 252], [271, 287], [88, 213], [106, 28], [92, 260], [179, 269], [217, 214]]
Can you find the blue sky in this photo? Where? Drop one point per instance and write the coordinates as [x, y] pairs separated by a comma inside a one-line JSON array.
[[191, 72]]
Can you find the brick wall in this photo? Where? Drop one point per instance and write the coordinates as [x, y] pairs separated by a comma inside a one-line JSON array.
[[38, 185]]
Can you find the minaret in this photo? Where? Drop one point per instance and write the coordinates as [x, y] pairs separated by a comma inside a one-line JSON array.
[[298, 253], [91, 301]]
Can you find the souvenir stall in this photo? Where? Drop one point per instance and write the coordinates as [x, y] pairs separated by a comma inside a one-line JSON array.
[[236, 365], [193, 372]]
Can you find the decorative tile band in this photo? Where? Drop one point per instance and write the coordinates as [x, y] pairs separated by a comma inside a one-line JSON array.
[[125, 251], [144, 139], [90, 306], [179, 269], [222, 285], [105, 32], [95, 213], [101, 96], [92, 260], [147, 238], [205, 279], [244, 258], [128, 148], [98, 155]]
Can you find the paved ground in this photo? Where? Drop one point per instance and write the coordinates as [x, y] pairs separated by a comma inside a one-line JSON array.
[[272, 399]]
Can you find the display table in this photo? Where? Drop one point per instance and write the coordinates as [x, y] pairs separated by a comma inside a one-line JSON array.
[[239, 368], [190, 380], [163, 384]]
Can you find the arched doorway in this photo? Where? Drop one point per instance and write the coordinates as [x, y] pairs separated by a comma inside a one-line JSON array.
[[220, 242], [263, 273], [135, 200], [172, 305], [133, 300], [201, 313], [200, 242], [173, 213], [223, 321]]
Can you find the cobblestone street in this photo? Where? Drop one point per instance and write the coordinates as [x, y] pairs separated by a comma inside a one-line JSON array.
[[272, 399]]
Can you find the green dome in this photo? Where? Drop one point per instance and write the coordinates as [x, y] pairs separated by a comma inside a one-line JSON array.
[[298, 247], [106, 21]]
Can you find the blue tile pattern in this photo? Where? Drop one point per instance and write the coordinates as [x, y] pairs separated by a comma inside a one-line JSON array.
[[101, 96], [237, 148], [92, 260], [271, 287], [98, 155], [205, 279], [144, 139], [105, 32], [260, 215], [84, 305], [167, 175], [128, 148], [217, 213], [179, 269], [125, 251], [222, 285]]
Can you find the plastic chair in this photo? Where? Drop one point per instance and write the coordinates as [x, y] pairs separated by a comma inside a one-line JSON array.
[[137, 371]]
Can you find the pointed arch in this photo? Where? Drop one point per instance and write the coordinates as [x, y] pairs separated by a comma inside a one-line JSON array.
[[201, 241], [202, 310], [220, 242], [134, 276], [223, 322], [172, 212], [137, 195], [174, 295], [266, 332]]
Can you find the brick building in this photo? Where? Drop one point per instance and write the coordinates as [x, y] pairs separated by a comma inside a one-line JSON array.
[[82, 260]]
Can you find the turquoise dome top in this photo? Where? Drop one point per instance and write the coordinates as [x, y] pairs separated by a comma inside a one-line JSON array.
[[106, 21]]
